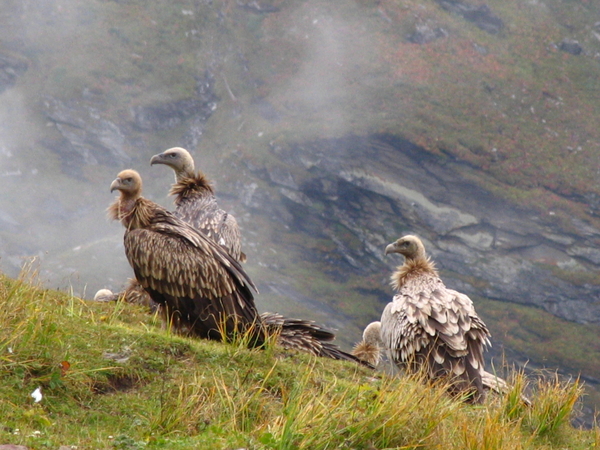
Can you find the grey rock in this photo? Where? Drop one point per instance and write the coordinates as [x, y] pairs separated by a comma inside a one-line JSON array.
[[166, 115], [480, 15], [258, 7], [171, 113], [478, 238], [11, 68], [590, 253], [374, 190], [95, 139], [296, 197], [282, 177], [570, 46], [425, 33]]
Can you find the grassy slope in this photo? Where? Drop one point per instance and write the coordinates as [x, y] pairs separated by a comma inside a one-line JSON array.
[[112, 378]]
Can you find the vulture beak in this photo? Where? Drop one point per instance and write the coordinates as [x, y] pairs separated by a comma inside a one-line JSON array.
[[157, 159], [116, 184], [390, 249]]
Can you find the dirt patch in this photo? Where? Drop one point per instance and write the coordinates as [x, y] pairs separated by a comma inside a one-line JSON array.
[[116, 383]]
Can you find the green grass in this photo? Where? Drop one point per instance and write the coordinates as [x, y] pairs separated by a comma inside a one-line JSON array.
[[113, 378]]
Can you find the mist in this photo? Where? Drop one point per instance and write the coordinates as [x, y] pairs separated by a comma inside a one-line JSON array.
[[61, 147]]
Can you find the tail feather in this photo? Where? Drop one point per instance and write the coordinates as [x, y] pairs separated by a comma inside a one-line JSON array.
[[306, 336]]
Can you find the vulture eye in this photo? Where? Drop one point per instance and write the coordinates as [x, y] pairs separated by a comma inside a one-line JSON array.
[[128, 180], [172, 155]]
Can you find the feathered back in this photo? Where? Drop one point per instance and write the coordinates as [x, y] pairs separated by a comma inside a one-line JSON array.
[[306, 336], [196, 203]]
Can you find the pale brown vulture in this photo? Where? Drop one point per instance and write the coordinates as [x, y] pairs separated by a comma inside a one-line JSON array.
[[430, 327], [204, 290], [196, 203], [369, 349]]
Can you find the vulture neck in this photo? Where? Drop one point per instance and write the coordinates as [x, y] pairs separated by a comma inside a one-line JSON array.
[[132, 212], [190, 186], [185, 170], [412, 267]]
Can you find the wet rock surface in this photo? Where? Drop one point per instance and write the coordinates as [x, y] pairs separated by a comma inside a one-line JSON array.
[[571, 46], [87, 135]]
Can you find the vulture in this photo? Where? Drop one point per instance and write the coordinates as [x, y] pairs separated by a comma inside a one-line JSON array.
[[430, 327], [201, 288], [196, 203], [369, 350], [133, 293]]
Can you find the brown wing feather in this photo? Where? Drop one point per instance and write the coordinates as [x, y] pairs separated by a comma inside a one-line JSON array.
[[198, 281]]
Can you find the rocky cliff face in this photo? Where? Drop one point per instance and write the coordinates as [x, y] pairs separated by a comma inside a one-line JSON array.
[[362, 193]]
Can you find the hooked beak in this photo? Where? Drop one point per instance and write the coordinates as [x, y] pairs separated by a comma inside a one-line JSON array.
[[390, 249], [116, 184], [157, 159]]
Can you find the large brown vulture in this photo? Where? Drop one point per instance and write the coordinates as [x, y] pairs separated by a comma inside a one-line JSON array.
[[203, 289], [430, 327], [196, 203]]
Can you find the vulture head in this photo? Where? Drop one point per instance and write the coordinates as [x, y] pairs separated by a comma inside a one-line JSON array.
[[105, 295], [129, 183], [178, 159], [369, 349], [372, 334], [410, 246]]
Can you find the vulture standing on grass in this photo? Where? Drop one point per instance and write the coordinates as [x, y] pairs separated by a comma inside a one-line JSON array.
[[203, 290], [196, 203], [370, 349], [428, 326]]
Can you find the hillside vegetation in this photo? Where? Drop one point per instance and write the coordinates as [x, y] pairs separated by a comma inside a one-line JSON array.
[[112, 378]]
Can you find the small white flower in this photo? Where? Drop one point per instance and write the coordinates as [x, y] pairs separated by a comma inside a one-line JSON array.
[[37, 395]]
